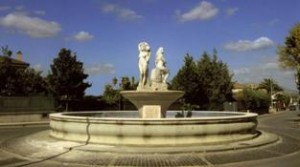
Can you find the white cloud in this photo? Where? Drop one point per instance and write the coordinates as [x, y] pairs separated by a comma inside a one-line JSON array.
[[121, 12], [100, 69], [247, 45], [231, 11], [270, 66], [240, 71], [38, 67], [204, 11], [32, 26], [5, 8], [261, 69], [83, 36], [256, 74], [273, 22], [20, 7], [40, 12]]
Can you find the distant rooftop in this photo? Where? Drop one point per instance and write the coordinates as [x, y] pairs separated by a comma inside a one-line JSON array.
[[14, 62], [245, 85]]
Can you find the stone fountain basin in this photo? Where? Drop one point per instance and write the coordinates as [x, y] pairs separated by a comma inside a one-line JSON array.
[[152, 104], [125, 128]]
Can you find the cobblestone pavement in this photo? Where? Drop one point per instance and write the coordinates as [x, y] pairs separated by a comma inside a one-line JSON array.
[[285, 152]]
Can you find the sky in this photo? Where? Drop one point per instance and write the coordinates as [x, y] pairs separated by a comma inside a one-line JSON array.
[[104, 34]]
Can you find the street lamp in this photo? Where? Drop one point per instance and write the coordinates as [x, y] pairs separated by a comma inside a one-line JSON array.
[[297, 80], [271, 92], [271, 109]]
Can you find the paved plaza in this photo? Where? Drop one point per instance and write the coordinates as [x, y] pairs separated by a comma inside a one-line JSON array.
[[17, 149]]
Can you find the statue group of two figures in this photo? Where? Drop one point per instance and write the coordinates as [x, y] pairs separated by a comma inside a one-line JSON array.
[[159, 74]]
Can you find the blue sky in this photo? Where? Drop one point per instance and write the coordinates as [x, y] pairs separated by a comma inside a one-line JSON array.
[[105, 33]]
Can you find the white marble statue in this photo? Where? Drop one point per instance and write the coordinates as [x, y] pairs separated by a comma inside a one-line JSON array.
[[160, 63], [144, 56], [160, 73]]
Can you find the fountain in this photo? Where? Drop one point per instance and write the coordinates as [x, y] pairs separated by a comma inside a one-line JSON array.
[[152, 98], [153, 125]]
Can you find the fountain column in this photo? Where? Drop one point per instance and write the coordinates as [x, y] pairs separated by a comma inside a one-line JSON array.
[[152, 104]]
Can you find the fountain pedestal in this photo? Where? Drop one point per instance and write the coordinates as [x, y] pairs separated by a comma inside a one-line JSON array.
[[152, 104]]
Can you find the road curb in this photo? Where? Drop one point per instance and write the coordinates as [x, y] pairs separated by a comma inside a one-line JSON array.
[[24, 123]]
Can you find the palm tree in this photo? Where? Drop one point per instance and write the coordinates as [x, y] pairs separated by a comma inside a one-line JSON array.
[[270, 86]]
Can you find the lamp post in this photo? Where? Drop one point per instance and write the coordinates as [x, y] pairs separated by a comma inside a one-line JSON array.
[[297, 81], [271, 93], [271, 109]]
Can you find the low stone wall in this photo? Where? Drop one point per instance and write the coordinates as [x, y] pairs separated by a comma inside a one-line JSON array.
[[26, 104], [25, 109], [25, 117], [95, 127]]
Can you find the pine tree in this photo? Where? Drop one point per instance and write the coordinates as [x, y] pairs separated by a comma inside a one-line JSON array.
[[66, 80], [207, 82], [187, 80]]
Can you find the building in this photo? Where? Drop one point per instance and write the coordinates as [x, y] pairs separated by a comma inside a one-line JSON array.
[[237, 87], [16, 62]]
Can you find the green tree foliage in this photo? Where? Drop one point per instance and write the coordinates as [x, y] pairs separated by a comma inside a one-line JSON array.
[[187, 80], [111, 94], [282, 101], [33, 83], [125, 83], [19, 81], [269, 85], [66, 79], [5, 51], [289, 52], [206, 82], [256, 100]]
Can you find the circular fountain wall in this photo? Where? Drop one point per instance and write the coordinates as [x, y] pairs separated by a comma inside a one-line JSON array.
[[126, 128]]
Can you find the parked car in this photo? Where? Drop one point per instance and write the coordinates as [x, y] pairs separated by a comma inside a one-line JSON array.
[[294, 107]]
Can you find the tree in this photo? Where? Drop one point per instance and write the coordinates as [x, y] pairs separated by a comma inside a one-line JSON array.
[[289, 52], [282, 101], [216, 80], [206, 82], [270, 86], [6, 52], [19, 81], [66, 79], [186, 79], [33, 83], [114, 81], [127, 84], [255, 100], [111, 94]]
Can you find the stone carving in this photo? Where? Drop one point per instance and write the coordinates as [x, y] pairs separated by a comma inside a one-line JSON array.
[[144, 56], [160, 73]]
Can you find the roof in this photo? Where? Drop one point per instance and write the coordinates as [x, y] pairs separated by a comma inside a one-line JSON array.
[[14, 62], [245, 86]]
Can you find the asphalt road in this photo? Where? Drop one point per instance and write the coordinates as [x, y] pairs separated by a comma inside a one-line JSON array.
[[285, 124], [10, 132]]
